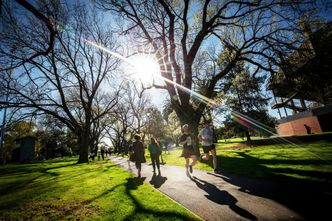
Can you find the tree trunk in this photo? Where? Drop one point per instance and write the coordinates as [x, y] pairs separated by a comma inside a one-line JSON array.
[[194, 131], [84, 146]]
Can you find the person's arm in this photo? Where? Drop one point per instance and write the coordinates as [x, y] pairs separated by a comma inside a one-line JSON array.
[[183, 140], [200, 136]]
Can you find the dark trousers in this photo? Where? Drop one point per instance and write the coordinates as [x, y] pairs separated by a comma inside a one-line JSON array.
[[138, 165], [155, 160]]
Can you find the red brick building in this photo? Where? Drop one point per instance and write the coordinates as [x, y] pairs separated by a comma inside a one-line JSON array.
[[318, 119]]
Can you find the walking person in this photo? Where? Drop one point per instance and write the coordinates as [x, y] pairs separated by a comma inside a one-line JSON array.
[[138, 156], [308, 129], [206, 136], [188, 152], [102, 151], [92, 155], [154, 150]]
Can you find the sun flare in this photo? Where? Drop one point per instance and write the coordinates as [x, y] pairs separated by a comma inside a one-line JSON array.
[[144, 67]]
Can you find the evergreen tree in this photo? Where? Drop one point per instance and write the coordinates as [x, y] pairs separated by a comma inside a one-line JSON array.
[[244, 97]]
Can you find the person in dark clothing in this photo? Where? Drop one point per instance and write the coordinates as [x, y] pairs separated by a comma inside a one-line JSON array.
[[155, 151], [102, 151], [188, 148], [138, 155], [92, 155], [307, 128]]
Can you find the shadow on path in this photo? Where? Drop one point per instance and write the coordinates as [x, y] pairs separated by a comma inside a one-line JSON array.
[[157, 180], [222, 197], [311, 199]]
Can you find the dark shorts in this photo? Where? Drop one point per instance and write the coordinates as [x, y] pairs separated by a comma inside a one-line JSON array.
[[206, 149], [188, 152]]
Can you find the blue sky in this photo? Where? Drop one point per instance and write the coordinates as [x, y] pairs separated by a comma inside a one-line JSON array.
[[158, 96]]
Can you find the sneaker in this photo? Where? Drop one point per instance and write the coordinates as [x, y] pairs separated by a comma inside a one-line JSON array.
[[217, 171], [190, 168]]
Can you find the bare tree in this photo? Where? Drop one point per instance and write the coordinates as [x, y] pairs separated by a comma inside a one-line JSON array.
[[139, 103], [15, 25], [73, 82], [257, 32], [118, 130]]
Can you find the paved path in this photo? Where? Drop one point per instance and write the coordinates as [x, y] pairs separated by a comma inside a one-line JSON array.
[[229, 197]]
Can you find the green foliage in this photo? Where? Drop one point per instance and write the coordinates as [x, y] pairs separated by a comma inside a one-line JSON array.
[[50, 191], [155, 123], [243, 94]]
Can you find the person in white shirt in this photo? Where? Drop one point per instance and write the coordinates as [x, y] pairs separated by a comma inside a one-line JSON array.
[[206, 137]]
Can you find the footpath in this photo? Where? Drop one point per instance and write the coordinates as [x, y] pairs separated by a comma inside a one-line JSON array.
[[229, 197]]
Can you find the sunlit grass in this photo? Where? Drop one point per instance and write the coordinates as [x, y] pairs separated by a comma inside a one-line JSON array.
[[64, 190], [311, 161]]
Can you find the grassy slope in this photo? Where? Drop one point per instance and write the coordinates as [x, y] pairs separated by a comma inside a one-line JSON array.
[[63, 190], [303, 161]]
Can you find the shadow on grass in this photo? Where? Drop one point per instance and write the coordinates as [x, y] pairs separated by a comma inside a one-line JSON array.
[[308, 197], [140, 210], [259, 168], [34, 171], [25, 182]]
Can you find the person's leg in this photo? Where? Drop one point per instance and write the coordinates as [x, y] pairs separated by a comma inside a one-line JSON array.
[[214, 155], [206, 155], [138, 166], [161, 156], [153, 160], [187, 162], [194, 160], [158, 164]]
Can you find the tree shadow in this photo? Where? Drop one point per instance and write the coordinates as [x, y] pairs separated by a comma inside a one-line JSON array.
[[29, 181], [157, 181], [309, 198], [133, 184], [18, 170], [222, 197]]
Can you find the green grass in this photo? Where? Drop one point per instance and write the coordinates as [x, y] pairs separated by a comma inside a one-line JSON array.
[[312, 161], [63, 190]]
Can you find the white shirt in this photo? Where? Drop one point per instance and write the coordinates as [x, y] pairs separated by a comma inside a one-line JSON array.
[[207, 135]]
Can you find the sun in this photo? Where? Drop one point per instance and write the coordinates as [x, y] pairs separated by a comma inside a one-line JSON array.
[[144, 67]]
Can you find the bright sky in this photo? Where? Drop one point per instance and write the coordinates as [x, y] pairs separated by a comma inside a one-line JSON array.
[[146, 68]]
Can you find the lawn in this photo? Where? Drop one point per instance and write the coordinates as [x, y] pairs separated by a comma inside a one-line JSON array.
[[63, 190], [312, 161]]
